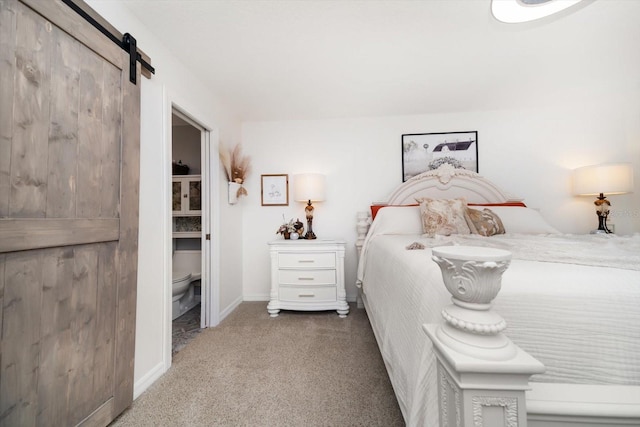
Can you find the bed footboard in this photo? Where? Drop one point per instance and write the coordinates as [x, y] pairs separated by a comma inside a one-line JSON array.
[[483, 378], [482, 375]]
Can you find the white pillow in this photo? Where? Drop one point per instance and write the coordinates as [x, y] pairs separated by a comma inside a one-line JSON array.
[[517, 219], [397, 220]]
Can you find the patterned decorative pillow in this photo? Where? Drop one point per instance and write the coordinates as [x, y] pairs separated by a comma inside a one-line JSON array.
[[443, 216], [485, 222]]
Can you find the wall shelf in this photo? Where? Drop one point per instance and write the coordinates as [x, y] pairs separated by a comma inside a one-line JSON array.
[[187, 234]]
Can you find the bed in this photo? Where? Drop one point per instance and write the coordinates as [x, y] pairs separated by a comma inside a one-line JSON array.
[[572, 302]]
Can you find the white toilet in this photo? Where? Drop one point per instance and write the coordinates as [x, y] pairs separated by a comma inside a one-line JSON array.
[[186, 274]]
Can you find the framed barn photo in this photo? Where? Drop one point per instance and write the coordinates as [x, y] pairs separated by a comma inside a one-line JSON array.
[[425, 151], [274, 190]]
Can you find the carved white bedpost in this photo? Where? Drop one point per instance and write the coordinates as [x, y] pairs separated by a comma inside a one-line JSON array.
[[363, 221], [482, 374], [362, 227]]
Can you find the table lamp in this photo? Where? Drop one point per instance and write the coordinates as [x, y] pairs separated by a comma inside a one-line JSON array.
[[309, 187], [609, 178]]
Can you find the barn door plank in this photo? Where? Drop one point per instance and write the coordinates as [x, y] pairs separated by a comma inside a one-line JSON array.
[[83, 328], [110, 144], [7, 72], [24, 234], [53, 382], [105, 323], [20, 339], [31, 116], [63, 127], [2, 264], [89, 135]]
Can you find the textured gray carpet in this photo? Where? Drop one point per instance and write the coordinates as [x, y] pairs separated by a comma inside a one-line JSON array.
[[299, 369]]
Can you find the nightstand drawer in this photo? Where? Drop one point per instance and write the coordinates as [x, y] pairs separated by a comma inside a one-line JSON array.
[[325, 293], [307, 260], [307, 277]]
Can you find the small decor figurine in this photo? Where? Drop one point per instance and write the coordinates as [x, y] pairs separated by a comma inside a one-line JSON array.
[[286, 228], [237, 167], [299, 226]]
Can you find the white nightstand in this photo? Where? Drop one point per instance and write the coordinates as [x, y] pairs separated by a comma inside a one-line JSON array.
[[307, 275]]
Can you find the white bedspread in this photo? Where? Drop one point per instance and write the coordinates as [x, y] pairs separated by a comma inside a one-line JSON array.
[[600, 250], [581, 321]]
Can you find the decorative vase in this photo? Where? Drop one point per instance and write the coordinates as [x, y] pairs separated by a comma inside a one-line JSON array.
[[294, 236], [286, 235], [233, 192]]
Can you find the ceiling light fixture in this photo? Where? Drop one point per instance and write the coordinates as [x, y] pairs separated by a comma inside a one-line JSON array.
[[516, 11]]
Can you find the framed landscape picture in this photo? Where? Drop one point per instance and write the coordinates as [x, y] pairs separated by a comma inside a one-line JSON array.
[[425, 151], [274, 190]]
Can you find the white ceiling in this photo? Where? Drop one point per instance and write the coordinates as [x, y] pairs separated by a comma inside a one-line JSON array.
[[300, 59]]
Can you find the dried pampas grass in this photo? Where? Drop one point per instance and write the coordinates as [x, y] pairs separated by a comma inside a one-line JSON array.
[[236, 165]]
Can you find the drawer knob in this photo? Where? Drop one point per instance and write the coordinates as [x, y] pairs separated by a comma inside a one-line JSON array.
[[305, 260], [305, 278], [306, 295]]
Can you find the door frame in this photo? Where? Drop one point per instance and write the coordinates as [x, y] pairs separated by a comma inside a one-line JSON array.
[[210, 169]]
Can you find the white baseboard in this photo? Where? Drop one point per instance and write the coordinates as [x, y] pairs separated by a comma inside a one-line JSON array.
[[149, 378], [227, 311], [258, 297]]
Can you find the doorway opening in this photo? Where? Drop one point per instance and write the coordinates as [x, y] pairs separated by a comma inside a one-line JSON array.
[[190, 211]]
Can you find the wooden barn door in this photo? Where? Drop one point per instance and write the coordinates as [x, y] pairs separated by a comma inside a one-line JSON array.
[[69, 168]]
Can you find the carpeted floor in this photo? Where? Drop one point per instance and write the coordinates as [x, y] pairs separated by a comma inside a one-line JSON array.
[[299, 369]]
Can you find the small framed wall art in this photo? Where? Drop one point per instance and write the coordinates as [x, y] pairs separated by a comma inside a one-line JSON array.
[[425, 151], [274, 190]]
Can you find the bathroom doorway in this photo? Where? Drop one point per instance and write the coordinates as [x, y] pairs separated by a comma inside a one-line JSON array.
[[190, 241]]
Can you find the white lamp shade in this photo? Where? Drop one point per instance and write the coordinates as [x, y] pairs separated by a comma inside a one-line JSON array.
[[309, 186], [610, 178]]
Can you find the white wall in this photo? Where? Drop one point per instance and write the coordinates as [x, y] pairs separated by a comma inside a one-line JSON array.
[[172, 85]]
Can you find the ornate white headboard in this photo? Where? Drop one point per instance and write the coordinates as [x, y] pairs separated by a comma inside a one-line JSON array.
[[447, 182]]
